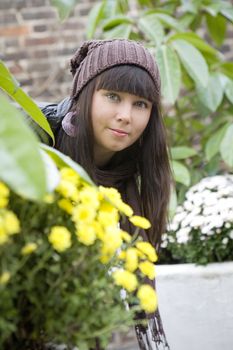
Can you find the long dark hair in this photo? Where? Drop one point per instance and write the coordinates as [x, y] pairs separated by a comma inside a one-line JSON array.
[[150, 153]]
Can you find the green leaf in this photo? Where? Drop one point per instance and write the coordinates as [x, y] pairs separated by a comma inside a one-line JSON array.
[[227, 10], [152, 28], [182, 152], [170, 72], [229, 90], [226, 147], [121, 31], [172, 203], [94, 17], [10, 85], [212, 146], [165, 19], [217, 28], [64, 7], [51, 171], [196, 41], [62, 160], [212, 95], [193, 61], [115, 21], [213, 8], [21, 165], [181, 173], [227, 69]]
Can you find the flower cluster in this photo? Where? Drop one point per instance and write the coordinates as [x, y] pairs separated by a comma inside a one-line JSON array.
[[68, 254], [202, 228]]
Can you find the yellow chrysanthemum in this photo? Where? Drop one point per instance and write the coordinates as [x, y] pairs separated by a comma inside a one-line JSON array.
[[70, 175], [83, 213], [89, 196], [147, 249], [148, 298], [98, 230], [66, 205], [60, 238], [86, 234], [11, 223], [125, 208], [5, 277], [108, 218], [68, 190], [131, 259], [112, 240], [29, 248], [111, 193], [125, 279], [148, 269], [106, 207], [140, 221]]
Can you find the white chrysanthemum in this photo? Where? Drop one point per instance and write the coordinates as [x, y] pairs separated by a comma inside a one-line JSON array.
[[183, 235], [231, 234]]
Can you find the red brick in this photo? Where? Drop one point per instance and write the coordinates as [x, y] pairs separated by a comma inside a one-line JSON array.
[[15, 31], [40, 41]]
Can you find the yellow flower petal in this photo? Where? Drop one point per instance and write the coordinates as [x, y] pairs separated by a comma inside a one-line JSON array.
[[148, 298], [140, 221]]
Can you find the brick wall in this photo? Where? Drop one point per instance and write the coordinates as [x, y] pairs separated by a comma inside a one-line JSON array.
[[37, 47]]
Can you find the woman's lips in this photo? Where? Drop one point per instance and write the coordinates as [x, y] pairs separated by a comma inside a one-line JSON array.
[[119, 132]]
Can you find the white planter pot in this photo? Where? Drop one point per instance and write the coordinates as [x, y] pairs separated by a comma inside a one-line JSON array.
[[196, 305]]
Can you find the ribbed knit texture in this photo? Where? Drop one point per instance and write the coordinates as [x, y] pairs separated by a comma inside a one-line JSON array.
[[95, 56]]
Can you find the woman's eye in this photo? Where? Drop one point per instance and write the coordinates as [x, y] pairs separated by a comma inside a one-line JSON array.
[[141, 104], [113, 97]]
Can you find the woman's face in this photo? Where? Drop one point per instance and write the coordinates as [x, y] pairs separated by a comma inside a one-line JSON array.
[[118, 120]]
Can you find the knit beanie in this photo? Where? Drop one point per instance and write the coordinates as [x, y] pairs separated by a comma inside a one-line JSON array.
[[95, 56]]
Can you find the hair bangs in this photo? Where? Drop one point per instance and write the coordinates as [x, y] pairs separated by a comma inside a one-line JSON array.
[[128, 78]]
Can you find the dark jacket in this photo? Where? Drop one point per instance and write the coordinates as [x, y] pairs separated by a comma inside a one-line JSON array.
[[54, 113]]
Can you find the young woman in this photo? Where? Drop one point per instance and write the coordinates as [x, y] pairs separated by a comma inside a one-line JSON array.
[[112, 126]]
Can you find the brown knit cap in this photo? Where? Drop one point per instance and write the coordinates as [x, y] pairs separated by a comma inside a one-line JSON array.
[[95, 56]]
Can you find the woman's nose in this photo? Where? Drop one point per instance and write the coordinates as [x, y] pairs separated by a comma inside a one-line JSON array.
[[124, 113]]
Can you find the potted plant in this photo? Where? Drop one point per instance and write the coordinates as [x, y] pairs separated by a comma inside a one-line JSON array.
[[197, 264]]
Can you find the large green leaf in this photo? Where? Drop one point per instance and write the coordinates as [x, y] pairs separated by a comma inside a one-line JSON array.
[[165, 19], [196, 41], [193, 61], [217, 28], [121, 31], [21, 165], [94, 17], [182, 152], [181, 173], [212, 146], [62, 160], [64, 7], [226, 147], [229, 90], [170, 72], [10, 85], [115, 21], [212, 95], [227, 10], [152, 28]]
